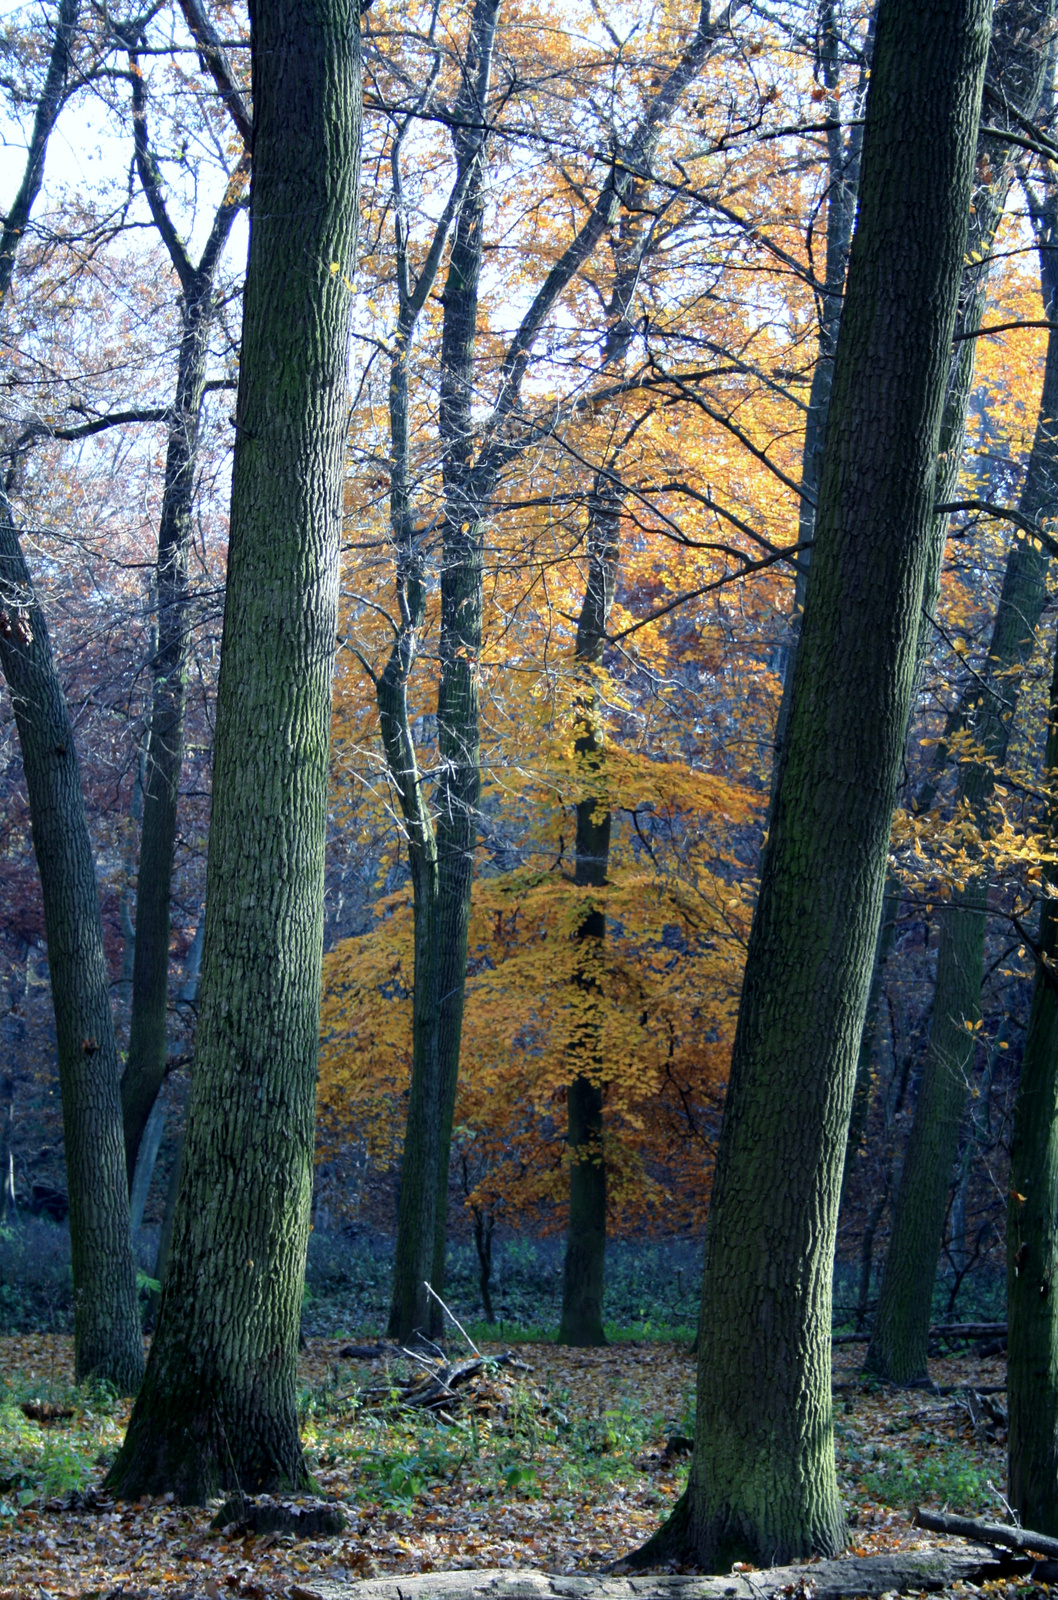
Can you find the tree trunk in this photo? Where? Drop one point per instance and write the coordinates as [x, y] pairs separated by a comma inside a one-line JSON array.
[[1032, 1219], [150, 1145], [852, 1578], [898, 1349], [145, 1067], [107, 1341], [843, 174], [52, 99], [763, 1485], [218, 1407], [861, 1096], [583, 1273], [484, 1225], [583, 1277]]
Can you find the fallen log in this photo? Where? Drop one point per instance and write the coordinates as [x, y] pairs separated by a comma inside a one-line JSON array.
[[968, 1330], [943, 1330], [848, 1576], [993, 1533]]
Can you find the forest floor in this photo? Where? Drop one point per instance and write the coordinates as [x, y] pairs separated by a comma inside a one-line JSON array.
[[563, 1467]]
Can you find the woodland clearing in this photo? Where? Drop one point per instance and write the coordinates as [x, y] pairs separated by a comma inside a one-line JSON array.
[[562, 1468]]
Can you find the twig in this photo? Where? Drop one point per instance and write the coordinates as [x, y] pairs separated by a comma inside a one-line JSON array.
[[452, 1318]]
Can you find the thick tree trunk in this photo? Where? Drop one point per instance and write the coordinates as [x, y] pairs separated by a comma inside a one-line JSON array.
[[763, 1485], [107, 1341], [218, 1409], [898, 1348], [1032, 1220]]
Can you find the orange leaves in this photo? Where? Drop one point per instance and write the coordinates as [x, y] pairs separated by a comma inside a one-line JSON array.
[[648, 1013]]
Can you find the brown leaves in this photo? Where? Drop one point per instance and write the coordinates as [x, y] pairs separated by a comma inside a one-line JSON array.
[[568, 1491]]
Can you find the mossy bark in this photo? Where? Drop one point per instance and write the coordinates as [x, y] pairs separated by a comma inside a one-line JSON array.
[[763, 1485], [217, 1410]]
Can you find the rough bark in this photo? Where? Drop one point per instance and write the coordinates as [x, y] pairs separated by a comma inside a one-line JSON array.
[[1032, 1219], [145, 1065], [898, 1349], [218, 1406], [762, 1484]]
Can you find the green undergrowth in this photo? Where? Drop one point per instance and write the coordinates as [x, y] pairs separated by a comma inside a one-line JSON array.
[[899, 1458], [575, 1429], [948, 1476], [533, 1442], [50, 1458]]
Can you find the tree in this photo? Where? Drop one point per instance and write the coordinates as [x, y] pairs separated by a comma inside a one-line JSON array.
[[107, 1342], [475, 456], [901, 1329], [1032, 1219], [762, 1482], [146, 1061], [218, 1407]]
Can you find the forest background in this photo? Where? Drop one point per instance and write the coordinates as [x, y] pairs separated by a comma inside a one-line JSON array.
[[665, 481]]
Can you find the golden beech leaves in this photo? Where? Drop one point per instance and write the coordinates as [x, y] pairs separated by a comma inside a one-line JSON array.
[[656, 999]]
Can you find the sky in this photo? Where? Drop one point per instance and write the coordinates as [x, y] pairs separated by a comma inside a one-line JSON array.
[[89, 146]]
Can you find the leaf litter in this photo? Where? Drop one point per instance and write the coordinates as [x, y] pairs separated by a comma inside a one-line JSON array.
[[549, 1458]]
